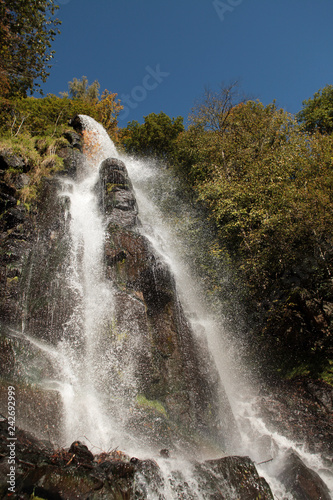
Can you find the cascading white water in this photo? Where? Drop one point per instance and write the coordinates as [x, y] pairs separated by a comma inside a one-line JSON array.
[[81, 393], [93, 405]]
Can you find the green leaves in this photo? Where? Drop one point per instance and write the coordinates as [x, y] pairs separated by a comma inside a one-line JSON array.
[[27, 30], [267, 187], [317, 112], [80, 89], [156, 137]]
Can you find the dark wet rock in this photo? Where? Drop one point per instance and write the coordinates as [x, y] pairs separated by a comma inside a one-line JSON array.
[[57, 483], [16, 234], [6, 200], [321, 392], [114, 177], [111, 165], [73, 158], [76, 123], [47, 291], [177, 396], [21, 181], [8, 159], [131, 259], [117, 200], [7, 357], [157, 283], [81, 452], [165, 453], [14, 216], [232, 477], [6, 188], [125, 219], [299, 409], [47, 473], [124, 200], [302, 482], [74, 139]]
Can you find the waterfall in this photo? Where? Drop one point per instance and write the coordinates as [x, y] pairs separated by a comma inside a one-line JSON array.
[[140, 359], [95, 404]]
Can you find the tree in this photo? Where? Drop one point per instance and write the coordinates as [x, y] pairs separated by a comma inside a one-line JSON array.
[[270, 200], [26, 31], [80, 89], [317, 112], [212, 111], [155, 137]]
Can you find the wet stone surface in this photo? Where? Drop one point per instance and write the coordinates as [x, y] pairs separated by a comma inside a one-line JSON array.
[[44, 472]]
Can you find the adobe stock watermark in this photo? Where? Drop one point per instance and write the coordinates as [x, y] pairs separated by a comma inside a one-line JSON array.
[[152, 79], [11, 459], [225, 7]]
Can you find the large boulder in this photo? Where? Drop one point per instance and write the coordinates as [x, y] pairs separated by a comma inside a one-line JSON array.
[[303, 483], [178, 397]]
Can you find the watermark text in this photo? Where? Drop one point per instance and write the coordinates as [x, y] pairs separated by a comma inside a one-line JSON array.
[[11, 460], [150, 82], [224, 7]]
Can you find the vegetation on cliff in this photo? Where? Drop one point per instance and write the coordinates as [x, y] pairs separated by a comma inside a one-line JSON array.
[[266, 183], [33, 128]]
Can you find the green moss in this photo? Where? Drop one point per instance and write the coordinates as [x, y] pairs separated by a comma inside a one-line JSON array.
[[149, 404], [34, 497], [327, 374], [110, 187], [12, 280]]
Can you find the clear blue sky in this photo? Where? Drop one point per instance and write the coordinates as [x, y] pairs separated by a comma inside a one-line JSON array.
[[162, 53]]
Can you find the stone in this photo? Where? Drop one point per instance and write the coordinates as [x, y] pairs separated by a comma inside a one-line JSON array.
[[74, 139], [123, 219], [232, 477], [46, 472], [177, 395], [73, 159], [322, 392], [76, 123], [21, 181], [14, 216], [81, 452], [6, 201], [124, 200], [10, 160], [165, 453], [302, 482]]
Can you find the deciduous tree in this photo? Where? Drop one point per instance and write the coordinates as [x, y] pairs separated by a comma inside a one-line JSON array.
[[80, 89], [155, 137], [27, 30], [317, 112]]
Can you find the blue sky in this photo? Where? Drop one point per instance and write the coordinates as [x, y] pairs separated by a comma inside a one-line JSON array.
[[159, 55]]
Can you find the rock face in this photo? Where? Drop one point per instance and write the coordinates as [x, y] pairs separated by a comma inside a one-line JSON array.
[[170, 369], [34, 244]]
